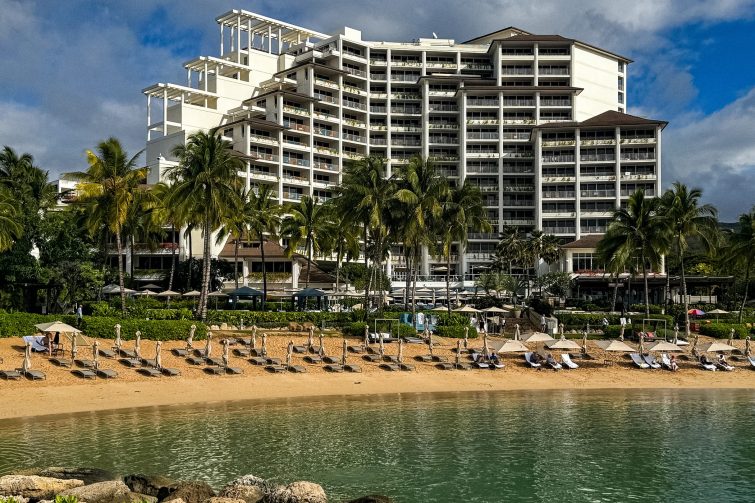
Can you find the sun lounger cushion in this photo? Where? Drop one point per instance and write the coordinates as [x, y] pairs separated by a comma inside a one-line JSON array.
[[179, 352], [333, 368], [215, 370], [423, 358], [213, 361], [147, 371], [86, 374], [413, 340], [34, 375], [107, 373], [273, 361], [444, 366], [241, 352], [195, 360], [371, 358], [439, 359], [130, 362], [257, 352], [61, 362], [299, 349], [391, 367], [106, 353], [297, 369], [651, 361], [233, 370], [356, 349], [352, 368], [258, 360], [566, 360], [275, 368], [528, 359], [170, 371], [481, 365], [312, 359], [639, 361], [406, 366], [390, 358], [127, 353], [87, 364], [331, 359], [724, 366], [708, 366], [10, 374]]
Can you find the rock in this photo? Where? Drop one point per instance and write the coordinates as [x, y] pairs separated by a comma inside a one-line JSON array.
[[264, 486], [177, 500], [35, 487], [307, 492], [190, 492], [151, 485], [13, 499], [245, 493], [87, 475], [112, 491], [372, 498], [219, 499]]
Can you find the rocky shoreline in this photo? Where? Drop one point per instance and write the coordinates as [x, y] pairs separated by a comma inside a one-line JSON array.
[[92, 485]]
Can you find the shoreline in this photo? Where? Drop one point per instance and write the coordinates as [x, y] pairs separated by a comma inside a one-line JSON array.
[[53, 401]]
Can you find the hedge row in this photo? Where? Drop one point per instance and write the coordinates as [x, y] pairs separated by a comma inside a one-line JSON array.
[[722, 330], [456, 331], [580, 320], [356, 329], [21, 324]]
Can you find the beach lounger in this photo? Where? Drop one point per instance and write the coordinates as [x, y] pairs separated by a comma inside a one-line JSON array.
[[440, 359], [331, 359], [38, 343], [258, 360], [194, 360], [180, 352], [314, 349], [413, 340], [406, 366], [234, 371], [355, 349], [370, 350], [352, 368], [527, 358], [61, 362], [374, 358], [127, 353], [751, 359], [34, 375], [106, 353], [497, 366], [106, 373], [149, 371], [333, 368], [215, 362], [84, 373], [665, 362], [708, 366], [313, 359], [215, 370], [390, 358], [460, 366], [170, 372], [424, 358], [390, 367], [650, 360], [296, 369], [480, 365], [256, 352], [275, 369], [131, 362], [273, 361], [566, 361], [724, 366], [10, 374], [444, 366], [554, 365], [86, 364], [241, 352], [200, 353], [299, 349], [637, 359], [244, 341]]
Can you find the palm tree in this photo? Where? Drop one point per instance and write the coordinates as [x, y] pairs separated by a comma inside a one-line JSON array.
[[510, 249], [421, 192], [463, 211], [740, 250], [235, 225], [10, 227], [343, 240], [171, 216], [306, 221], [687, 219], [107, 190], [263, 218], [143, 226], [637, 233], [541, 246], [205, 184]]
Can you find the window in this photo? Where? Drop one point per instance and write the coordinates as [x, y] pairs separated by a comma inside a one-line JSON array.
[[585, 262], [621, 67]]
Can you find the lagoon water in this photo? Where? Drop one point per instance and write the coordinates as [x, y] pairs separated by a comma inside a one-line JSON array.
[[578, 446]]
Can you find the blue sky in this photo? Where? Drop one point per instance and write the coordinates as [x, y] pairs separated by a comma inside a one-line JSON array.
[[73, 71]]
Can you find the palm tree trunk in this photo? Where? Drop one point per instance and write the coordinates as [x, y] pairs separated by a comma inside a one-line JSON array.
[[191, 263], [448, 278], [747, 286], [205, 271], [369, 277], [172, 256], [339, 257], [647, 290], [119, 250], [264, 271], [131, 256], [684, 293], [236, 263], [414, 292], [309, 260], [615, 291], [409, 268]]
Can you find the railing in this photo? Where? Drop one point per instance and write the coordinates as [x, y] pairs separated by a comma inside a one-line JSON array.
[[626, 193], [409, 129], [482, 153], [519, 188], [326, 83], [600, 229], [638, 156], [517, 155], [294, 179], [379, 76], [355, 123], [598, 141], [416, 64], [296, 126], [598, 193], [518, 121], [353, 71], [323, 116], [378, 61], [289, 143], [405, 96], [325, 132], [559, 194], [326, 150], [476, 66], [553, 71], [296, 196], [482, 170], [561, 213], [488, 188], [518, 103], [559, 230], [597, 157], [482, 103], [435, 125], [295, 161], [510, 170], [491, 122], [443, 158], [354, 137], [406, 110], [516, 71], [354, 90], [441, 64], [378, 109], [443, 108], [354, 104], [443, 139], [483, 235], [294, 110], [378, 141], [326, 98], [518, 221], [405, 143], [482, 136], [378, 95], [558, 158], [555, 103], [323, 165], [260, 173], [559, 143], [516, 136], [402, 77], [448, 172], [517, 52], [649, 139], [263, 139], [264, 156], [517, 203]]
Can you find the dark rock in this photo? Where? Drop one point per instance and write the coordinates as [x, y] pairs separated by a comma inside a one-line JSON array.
[[190, 492], [247, 493], [151, 485], [372, 498], [113, 491]]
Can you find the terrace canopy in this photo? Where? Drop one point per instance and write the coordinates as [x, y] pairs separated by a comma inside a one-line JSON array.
[[299, 299], [245, 292]]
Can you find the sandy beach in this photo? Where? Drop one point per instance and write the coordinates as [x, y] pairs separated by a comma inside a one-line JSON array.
[[62, 392]]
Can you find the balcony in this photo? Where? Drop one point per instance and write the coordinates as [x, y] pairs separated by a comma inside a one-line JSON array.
[[555, 103], [514, 203], [558, 158], [405, 96], [355, 123], [354, 137], [295, 161], [378, 109], [597, 157], [378, 141], [405, 143], [559, 230], [507, 72], [597, 193], [476, 66], [378, 62], [325, 132], [379, 95], [411, 64], [436, 125], [448, 140], [485, 122], [519, 188], [443, 108], [404, 77], [561, 194], [593, 229], [554, 70], [488, 188], [296, 126], [638, 156], [483, 235], [441, 64], [649, 139], [378, 76], [558, 179], [294, 196], [598, 141], [523, 122], [406, 110], [324, 165], [354, 90], [408, 129], [482, 103], [263, 139], [559, 143], [482, 170], [325, 98], [518, 103], [326, 83], [483, 136], [355, 72], [516, 136], [295, 110], [263, 156], [517, 155], [559, 214], [518, 221], [630, 176], [354, 104], [481, 155], [327, 117], [325, 150], [443, 158]]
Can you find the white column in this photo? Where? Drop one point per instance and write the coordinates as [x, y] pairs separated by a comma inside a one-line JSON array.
[[536, 63], [165, 111], [280, 41], [249, 40], [188, 77], [658, 166], [270, 39], [578, 186], [222, 37], [617, 153], [539, 180], [205, 76], [238, 39], [149, 114]]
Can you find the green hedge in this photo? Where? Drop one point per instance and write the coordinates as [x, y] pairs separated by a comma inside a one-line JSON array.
[[21, 324], [456, 331], [579, 320], [282, 318], [722, 330]]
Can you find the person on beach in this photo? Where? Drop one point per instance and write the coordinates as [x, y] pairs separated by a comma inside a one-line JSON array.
[[543, 324], [79, 315], [550, 360], [673, 363], [722, 360], [536, 358]]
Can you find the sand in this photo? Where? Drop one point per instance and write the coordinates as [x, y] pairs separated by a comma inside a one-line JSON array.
[[63, 393]]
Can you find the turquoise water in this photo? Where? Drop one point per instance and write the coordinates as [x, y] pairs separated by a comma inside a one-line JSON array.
[[473, 447]]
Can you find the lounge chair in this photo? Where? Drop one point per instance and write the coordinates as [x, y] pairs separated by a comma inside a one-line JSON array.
[[258, 360], [355, 349], [213, 361], [34, 375], [637, 359], [373, 358], [724, 366], [666, 362], [314, 349], [257, 352], [414, 340], [61, 362], [707, 364], [406, 366], [751, 359], [131, 362], [333, 368], [215, 370], [106, 373], [86, 364], [439, 359], [299, 349], [170, 372], [233, 370], [566, 361], [38, 343], [313, 359], [390, 358], [180, 352], [496, 365], [10, 374], [296, 369], [244, 341], [241, 352], [127, 353], [106, 353], [390, 367], [528, 359], [352, 368], [84, 373], [444, 366], [194, 360], [275, 369], [650, 360], [149, 372], [481, 364], [424, 358], [554, 364], [461, 366], [331, 359], [273, 361]]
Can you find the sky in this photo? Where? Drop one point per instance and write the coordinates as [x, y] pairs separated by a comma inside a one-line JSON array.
[[73, 71]]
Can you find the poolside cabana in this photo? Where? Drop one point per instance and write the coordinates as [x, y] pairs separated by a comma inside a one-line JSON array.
[[247, 293], [299, 299]]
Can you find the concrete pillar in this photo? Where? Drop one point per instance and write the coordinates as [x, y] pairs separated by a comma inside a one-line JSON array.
[[165, 111], [617, 153], [270, 39], [149, 115], [222, 41], [578, 185], [238, 38]]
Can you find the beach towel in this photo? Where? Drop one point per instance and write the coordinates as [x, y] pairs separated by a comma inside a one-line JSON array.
[[38, 343]]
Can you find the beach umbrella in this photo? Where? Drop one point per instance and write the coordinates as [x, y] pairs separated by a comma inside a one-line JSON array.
[[430, 345], [74, 348], [322, 346], [664, 347], [517, 333], [466, 309], [538, 337], [192, 293], [747, 346], [208, 345], [190, 339], [641, 347], [382, 348], [158, 356], [563, 344], [466, 339], [345, 351], [731, 337], [494, 309], [118, 342], [716, 347], [366, 336], [717, 312], [147, 293], [264, 344], [485, 349], [400, 350], [96, 354], [458, 353], [57, 326], [584, 342], [150, 286], [693, 349], [254, 338], [310, 336], [509, 346], [439, 308], [676, 334], [169, 294], [696, 312], [226, 354], [138, 344], [26, 365], [615, 346]]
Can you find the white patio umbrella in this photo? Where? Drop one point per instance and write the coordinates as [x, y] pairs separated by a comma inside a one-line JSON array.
[[509, 346], [400, 350], [57, 326], [168, 293], [664, 347], [731, 337], [517, 333], [148, 293], [264, 344], [563, 344], [716, 347], [717, 312], [494, 309], [96, 354], [138, 344], [208, 345], [538, 337], [190, 340], [747, 346], [344, 352], [150, 286], [118, 342], [615, 346], [192, 293], [466, 309], [26, 365]]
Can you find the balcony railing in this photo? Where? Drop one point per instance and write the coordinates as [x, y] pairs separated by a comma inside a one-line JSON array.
[[559, 143], [323, 165], [354, 137], [444, 139], [325, 132], [354, 104], [516, 136], [562, 194], [378, 109], [592, 229], [406, 110], [296, 126], [637, 156], [555, 103], [326, 98], [326, 83], [519, 188], [558, 158], [597, 157], [559, 230], [516, 71], [354, 90], [518, 103], [405, 143], [358, 73], [553, 71], [482, 136], [295, 161], [414, 64], [405, 96], [443, 108], [264, 156], [482, 103], [482, 170], [378, 141], [378, 76], [518, 221], [263, 139], [598, 193], [649, 139], [435, 125], [295, 110], [399, 77]]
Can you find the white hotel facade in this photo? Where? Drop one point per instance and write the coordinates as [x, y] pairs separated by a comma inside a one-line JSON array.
[[536, 121]]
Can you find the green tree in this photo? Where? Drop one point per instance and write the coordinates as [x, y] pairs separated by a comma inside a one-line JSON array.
[[541, 246], [343, 240], [264, 219], [307, 222], [637, 232], [740, 251], [107, 191], [463, 211], [510, 250], [10, 226], [687, 219], [205, 184]]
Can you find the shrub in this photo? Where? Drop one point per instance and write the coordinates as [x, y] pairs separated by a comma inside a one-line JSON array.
[[20, 324], [722, 330], [640, 308], [169, 314], [355, 329], [159, 330], [66, 499], [456, 331], [103, 309], [279, 318], [452, 320], [580, 320], [541, 307]]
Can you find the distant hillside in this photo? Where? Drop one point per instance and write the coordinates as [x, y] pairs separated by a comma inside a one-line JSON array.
[[728, 225]]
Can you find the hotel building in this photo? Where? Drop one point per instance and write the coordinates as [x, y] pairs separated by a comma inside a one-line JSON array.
[[537, 122]]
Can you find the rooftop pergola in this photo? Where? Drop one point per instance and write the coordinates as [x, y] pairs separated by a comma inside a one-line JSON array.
[[175, 93], [260, 33]]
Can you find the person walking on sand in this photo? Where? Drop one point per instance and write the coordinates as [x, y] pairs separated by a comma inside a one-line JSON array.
[[543, 324]]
